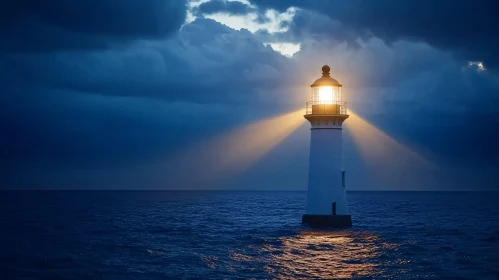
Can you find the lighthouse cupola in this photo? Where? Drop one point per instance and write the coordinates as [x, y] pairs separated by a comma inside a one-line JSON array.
[[326, 101]]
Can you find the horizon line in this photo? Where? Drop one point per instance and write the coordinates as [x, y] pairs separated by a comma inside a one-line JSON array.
[[231, 190]]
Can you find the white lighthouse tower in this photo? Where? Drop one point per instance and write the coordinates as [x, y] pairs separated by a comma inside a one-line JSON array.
[[326, 198]]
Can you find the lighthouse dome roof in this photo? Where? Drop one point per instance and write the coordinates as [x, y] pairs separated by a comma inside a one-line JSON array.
[[326, 80]]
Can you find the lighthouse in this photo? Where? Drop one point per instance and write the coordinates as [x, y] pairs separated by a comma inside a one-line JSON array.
[[326, 111]]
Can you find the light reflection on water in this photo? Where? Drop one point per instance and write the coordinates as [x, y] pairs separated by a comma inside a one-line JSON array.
[[326, 254]]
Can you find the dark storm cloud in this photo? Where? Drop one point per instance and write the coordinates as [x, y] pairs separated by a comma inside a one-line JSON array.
[[311, 26], [223, 6], [262, 18], [467, 28], [205, 62], [121, 106], [37, 25], [92, 102]]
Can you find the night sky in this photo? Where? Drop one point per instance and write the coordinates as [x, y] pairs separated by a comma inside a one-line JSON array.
[[106, 94]]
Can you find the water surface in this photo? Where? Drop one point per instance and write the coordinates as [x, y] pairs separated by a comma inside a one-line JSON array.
[[245, 235]]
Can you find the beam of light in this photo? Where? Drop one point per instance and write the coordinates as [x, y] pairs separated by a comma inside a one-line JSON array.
[[390, 161], [231, 153]]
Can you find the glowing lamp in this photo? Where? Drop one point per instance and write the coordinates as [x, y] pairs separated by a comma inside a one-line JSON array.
[[326, 95]]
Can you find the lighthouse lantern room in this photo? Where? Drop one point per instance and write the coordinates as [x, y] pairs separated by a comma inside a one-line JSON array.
[[326, 111]]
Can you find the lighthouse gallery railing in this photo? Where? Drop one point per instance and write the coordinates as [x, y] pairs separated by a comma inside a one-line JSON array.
[[331, 108]]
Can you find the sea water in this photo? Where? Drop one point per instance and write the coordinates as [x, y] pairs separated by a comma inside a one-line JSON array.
[[245, 235]]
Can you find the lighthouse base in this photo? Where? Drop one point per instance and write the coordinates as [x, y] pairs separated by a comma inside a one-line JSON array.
[[327, 220]]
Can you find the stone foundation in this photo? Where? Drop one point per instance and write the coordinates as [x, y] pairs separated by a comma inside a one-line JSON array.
[[327, 220]]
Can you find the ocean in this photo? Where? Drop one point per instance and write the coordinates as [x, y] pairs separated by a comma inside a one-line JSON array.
[[245, 235]]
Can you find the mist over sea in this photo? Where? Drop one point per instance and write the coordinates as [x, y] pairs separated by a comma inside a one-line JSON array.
[[245, 235]]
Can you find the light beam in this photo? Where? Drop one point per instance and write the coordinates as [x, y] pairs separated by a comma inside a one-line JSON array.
[[391, 163], [231, 153]]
